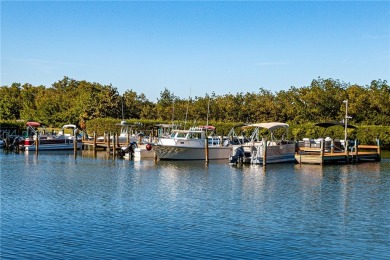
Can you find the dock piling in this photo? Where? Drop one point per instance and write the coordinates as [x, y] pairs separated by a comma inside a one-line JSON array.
[[113, 144], [36, 144], [108, 142], [94, 141], [206, 145], [265, 151]]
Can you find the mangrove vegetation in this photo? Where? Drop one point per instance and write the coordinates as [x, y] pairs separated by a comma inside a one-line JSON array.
[[92, 105]]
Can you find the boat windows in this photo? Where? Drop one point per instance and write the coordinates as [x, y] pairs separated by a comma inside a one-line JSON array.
[[181, 135], [195, 135]]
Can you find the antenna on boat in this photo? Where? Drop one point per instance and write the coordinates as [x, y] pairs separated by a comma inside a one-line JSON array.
[[346, 121], [173, 111], [208, 112], [188, 104], [122, 109]]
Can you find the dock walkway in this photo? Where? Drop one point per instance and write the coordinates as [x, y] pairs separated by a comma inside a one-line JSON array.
[[357, 153]]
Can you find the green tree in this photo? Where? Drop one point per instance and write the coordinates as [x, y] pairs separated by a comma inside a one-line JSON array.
[[165, 105], [10, 102]]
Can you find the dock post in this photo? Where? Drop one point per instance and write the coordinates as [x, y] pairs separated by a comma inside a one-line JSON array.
[[378, 149], [75, 145], [36, 144], [128, 139], [94, 141], [356, 151], [7, 142], [265, 151], [113, 144], [206, 146], [108, 143], [332, 146], [322, 153]]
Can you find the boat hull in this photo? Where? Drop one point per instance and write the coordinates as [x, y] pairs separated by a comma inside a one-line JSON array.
[[140, 153], [254, 154], [192, 153], [52, 147]]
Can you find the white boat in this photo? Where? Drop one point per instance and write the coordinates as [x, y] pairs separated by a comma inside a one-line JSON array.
[[47, 141], [191, 145], [126, 136], [259, 148], [144, 151], [138, 152]]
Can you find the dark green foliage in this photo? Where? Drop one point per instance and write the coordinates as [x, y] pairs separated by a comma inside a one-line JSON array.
[[98, 108]]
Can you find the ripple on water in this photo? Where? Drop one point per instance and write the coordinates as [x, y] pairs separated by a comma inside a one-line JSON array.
[[57, 207]]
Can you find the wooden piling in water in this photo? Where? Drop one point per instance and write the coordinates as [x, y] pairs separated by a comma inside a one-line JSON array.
[[108, 143], [94, 141], [332, 146], [113, 144], [206, 152], [75, 144], [36, 144], [356, 151], [378, 149], [265, 151]]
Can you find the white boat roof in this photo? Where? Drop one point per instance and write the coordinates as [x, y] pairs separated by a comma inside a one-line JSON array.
[[270, 126], [198, 129], [123, 123], [69, 126], [188, 131]]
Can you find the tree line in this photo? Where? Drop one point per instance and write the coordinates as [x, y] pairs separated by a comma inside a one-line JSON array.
[[72, 101]]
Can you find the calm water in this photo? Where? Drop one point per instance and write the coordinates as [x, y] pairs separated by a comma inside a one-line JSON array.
[[57, 207]]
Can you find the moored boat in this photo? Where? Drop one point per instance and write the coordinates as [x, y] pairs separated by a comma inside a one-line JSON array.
[[260, 150], [45, 141], [192, 144], [127, 134]]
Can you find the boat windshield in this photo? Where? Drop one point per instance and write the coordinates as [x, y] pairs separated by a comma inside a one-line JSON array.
[[195, 135], [178, 135]]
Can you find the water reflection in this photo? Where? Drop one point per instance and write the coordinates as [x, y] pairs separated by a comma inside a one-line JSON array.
[[64, 207]]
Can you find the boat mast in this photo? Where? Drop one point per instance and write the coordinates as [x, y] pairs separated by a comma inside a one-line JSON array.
[[173, 111], [188, 104], [208, 111], [346, 122], [122, 110]]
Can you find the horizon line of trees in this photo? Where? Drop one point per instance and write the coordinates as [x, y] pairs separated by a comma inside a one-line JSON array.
[[72, 101]]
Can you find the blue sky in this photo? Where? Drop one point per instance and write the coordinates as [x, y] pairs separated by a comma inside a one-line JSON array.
[[194, 48]]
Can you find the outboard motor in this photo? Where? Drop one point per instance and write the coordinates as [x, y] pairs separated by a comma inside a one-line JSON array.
[[129, 149], [238, 156], [16, 142]]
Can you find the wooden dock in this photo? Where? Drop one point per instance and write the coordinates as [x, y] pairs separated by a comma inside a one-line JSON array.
[[109, 144], [357, 153]]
